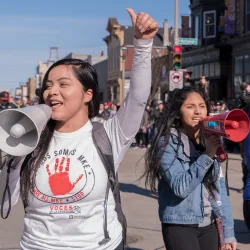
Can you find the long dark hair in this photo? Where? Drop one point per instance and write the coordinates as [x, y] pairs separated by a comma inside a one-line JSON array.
[[86, 74], [169, 119]]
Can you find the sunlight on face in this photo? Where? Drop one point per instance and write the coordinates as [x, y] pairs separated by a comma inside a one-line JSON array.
[[65, 95], [193, 110]]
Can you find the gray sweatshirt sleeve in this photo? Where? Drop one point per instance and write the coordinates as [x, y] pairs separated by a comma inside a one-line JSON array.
[[122, 128], [131, 111]]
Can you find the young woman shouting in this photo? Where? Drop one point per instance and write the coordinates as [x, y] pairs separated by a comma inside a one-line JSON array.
[[192, 193], [64, 183]]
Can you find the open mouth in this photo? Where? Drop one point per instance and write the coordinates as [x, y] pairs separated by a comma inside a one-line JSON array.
[[55, 104], [197, 119]]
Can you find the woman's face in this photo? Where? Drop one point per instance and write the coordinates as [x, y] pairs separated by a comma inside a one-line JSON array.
[[193, 110], [65, 94]]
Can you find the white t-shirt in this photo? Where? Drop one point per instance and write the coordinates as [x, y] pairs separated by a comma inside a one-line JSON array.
[[70, 189], [66, 210]]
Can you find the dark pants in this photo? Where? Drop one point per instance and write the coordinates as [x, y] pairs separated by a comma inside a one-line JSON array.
[[245, 173], [190, 237], [120, 247], [246, 212], [141, 139]]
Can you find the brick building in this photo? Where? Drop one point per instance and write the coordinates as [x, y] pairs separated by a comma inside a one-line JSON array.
[[222, 28], [121, 37]]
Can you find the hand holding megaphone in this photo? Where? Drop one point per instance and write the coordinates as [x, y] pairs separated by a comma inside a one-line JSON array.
[[233, 125], [20, 129], [212, 143]]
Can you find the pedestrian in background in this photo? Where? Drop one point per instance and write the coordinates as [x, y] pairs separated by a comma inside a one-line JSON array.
[[4, 101], [193, 202], [19, 102]]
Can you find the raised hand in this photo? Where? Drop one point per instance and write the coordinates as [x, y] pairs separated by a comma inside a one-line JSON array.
[[59, 181], [145, 27]]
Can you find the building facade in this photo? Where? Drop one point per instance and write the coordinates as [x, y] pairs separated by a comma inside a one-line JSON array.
[[213, 26], [222, 28], [241, 46], [41, 70]]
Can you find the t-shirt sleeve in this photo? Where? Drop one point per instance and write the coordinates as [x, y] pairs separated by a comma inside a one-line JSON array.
[[14, 185], [122, 128]]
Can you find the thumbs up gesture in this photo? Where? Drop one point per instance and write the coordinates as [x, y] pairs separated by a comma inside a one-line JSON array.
[[145, 27]]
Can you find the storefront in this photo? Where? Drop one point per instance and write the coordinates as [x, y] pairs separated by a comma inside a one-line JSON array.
[[207, 62], [241, 62]]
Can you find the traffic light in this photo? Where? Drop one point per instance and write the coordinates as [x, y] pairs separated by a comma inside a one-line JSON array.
[[187, 79], [177, 57], [188, 74]]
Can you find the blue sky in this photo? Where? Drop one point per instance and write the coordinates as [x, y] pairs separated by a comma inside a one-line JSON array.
[[28, 28]]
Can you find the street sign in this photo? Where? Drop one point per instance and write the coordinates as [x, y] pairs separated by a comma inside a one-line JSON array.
[[187, 41], [175, 80]]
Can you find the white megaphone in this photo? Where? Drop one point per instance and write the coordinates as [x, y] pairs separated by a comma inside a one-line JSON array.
[[20, 129]]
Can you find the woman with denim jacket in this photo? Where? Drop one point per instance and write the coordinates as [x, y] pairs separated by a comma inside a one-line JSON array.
[[192, 192]]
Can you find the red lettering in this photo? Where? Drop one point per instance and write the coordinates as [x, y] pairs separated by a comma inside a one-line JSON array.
[[78, 196], [54, 200], [36, 193], [44, 197], [61, 208]]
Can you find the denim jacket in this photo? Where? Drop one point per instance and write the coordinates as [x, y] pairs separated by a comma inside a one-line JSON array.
[[181, 191]]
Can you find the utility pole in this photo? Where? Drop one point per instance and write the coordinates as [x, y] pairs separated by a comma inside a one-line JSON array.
[[123, 79], [176, 16]]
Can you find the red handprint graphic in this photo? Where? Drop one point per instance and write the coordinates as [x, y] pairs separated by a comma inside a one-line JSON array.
[[59, 181]]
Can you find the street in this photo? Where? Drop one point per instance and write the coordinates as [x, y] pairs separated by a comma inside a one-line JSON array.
[[141, 209]]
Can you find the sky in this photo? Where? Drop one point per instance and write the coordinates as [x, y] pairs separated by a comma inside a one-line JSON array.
[[29, 28]]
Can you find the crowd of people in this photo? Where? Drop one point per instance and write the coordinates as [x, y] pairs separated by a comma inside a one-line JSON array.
[[218, 107], [10, 102]]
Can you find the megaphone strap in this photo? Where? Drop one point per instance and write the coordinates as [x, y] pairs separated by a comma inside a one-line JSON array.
[[7, 191]]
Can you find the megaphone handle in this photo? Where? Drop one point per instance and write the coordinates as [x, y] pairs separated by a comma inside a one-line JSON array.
[[222, 156]]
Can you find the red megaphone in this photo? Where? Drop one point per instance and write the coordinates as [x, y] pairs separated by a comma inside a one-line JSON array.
[[233, 125]]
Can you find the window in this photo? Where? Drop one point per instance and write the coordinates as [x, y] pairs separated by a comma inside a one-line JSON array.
[[247, 64], [247, 17], [247, 78], [241, 72], [209, 24], [217, 69], [237, 82], [211, 70], [238, 65]]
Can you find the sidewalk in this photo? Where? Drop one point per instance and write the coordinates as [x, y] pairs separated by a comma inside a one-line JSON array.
[[141, 208]]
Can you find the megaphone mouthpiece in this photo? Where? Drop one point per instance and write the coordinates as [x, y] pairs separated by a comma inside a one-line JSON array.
[[233, 124], [17, 131]]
